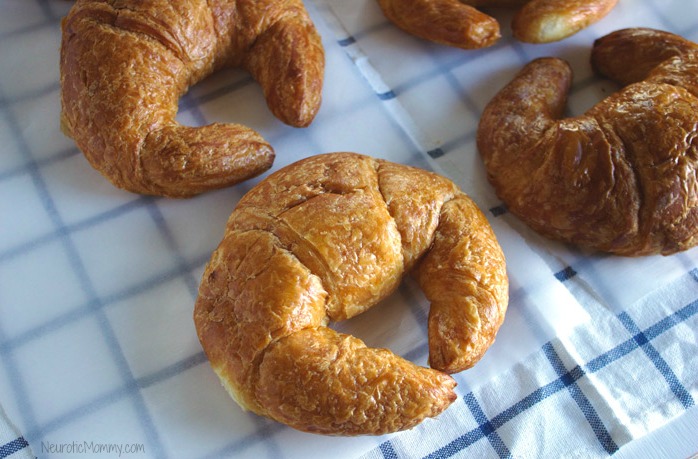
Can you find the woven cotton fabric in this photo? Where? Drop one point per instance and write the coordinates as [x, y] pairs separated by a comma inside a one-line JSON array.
[[97, 286]]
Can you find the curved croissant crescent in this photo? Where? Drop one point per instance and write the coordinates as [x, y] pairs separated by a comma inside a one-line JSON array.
[[458, 23], [325, 239], [124, 65], [622, 177]]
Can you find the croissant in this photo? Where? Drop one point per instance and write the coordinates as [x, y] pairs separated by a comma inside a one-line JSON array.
[[622, 177], [324, 239], [124, 64], [457, 22]]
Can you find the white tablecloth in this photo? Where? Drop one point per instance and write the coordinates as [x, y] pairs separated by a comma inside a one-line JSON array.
[[98, 353]]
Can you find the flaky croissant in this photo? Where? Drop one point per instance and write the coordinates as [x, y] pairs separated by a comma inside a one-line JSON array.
[[124, 64], [622, 177], [458, 23], [325, 239]]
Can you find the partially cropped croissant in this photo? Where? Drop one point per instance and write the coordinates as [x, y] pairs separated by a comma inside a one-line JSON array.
[[325, 239], [457, 22], [622, 177], [125, 63]]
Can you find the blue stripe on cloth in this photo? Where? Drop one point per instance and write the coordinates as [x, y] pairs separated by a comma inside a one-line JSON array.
[[566, 274], [436, 153], [650, 333], [498, 210], [346, 41], [12, 447], [570, 378], [643, 342], [486, 428], [388, 450], [566, 380], [84, 281], [387, 95]]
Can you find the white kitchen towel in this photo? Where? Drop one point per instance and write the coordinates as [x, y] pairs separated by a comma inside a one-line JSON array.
[[585, 394], [97, 286]]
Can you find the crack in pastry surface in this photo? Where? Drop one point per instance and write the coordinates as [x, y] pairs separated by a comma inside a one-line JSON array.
[[331, 230], [621, 178]]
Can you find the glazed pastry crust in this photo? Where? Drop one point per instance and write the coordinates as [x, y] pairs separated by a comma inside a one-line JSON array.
[[447, 22], [458, 23], [545, 21], [323, 240], [125, 64], [621, 177]]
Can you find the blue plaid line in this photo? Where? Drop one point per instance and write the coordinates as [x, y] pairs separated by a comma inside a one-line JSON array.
[[464, 96], [439, 69], [114, 396], [23, 168], [569, 379], [566, 274], [475, 435], [436, 153], [12, 447], [28, 29], [387, 450], [28, 246], [187, 103], [172, 370], [694, 274], [642, 341], [265, 430], [417, 353], [103, 322], [388, 95], [498, 211], [652, 332], [38, 93], [8, 359], [346, 41], [181, 264], [487, 429], [359, 35], [85, 283], [92, 306]]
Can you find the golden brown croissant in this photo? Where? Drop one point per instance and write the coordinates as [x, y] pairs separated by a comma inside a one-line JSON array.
[[622, 177], [325, 239], [457, 22], [124, 64]]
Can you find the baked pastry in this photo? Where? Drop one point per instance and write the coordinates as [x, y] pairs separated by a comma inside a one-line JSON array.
[[545, 21], [446, 22], [620, 178], [124, 66], [324, 239], [458, 23]]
